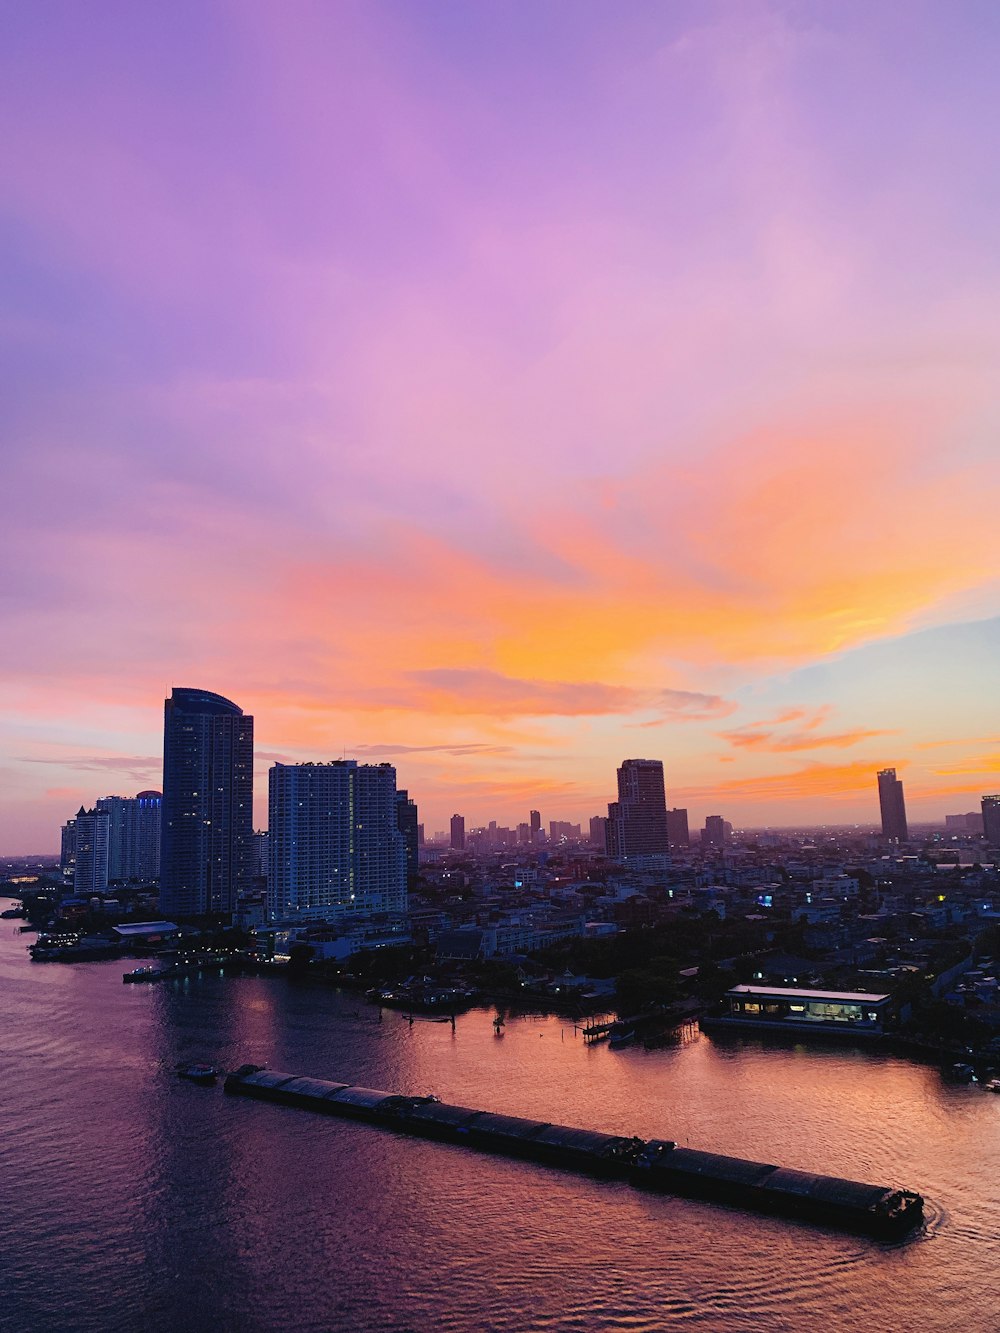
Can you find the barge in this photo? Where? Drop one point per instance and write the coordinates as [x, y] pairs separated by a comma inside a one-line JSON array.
[[657, 1164]]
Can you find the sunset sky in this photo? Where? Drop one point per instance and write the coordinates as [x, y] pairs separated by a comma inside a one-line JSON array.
[[503, 390]]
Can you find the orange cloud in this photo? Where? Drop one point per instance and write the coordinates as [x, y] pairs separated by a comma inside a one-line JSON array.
[[829, 781], [768, 737]]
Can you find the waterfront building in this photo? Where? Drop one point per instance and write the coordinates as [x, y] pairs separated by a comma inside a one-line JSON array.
[[406, 822], [991, 820], [336, 847], [90, 870], [892, 805], [637, 821], [458, 833], [67, 850], [206, 852], [779, 1007], [134, 824]]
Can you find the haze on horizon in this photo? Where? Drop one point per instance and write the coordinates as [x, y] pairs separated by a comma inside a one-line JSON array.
[[504, 391]]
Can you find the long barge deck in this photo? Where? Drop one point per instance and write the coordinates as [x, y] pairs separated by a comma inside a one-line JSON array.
[[657, 1164]]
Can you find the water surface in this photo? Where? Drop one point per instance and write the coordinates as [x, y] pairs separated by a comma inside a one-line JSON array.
[[133, 1200]]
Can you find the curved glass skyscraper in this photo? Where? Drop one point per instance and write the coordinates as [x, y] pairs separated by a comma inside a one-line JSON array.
[[206, 850]]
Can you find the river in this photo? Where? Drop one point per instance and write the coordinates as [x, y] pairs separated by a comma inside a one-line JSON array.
[[131, 1199]]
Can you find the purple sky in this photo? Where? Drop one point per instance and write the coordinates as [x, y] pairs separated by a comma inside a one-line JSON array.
[[504, 390]]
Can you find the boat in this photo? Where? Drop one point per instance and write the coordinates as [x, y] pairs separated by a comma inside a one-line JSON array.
[[883, 1211], [620, 1036], [141, 974], [959, 1073], [992, 1085], [198, 1073]]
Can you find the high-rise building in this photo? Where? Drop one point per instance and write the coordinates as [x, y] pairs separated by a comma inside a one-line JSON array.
[[67, 850], [599, 831], [134, 825], [261, 853], [458, 833], [991, 820], [90, 872], [678, 834], [890, 799], [637, 821], [535, 821], [406, 822], [714, 833], [335, 845], [206, 848]]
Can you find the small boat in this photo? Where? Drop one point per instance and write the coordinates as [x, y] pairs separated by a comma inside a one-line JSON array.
[[959, 1073], [992, 1085], [620, 1036], [198, 1073]]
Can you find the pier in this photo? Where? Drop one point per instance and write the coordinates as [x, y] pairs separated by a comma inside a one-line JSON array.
[[657, 1164]]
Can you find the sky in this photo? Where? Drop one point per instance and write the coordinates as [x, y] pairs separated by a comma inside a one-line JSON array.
[[502, 391]]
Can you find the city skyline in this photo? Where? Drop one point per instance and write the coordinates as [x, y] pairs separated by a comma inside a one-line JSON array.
[[499, 396]]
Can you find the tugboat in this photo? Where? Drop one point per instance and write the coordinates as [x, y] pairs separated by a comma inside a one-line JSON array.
[[204, 1074]]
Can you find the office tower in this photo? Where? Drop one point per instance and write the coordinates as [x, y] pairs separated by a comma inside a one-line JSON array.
[[599, 831], [535, 821], [420, 835], [637, 821], [336, 849], [206, 849], [714, 832], [458, 833], [677, 828], [991, 820], [134, 824], [67, 849], [406, 822], [890, 799], [524, 833], [90, 873]]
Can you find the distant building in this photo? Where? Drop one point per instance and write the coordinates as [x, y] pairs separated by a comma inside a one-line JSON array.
[[599, 831], [714, 832], [406, 822], [90, 871], [637, 821], [134, 824], [677, 828], [970, 822], [892, 805], [261, 853], [991, 820], [535, 821], [562, 828], [458, 833], [524, 833], [336, 849], [206, 848], [67, 849]]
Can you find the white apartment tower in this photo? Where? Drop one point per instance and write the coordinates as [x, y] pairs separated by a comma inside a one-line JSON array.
[[335, 845]]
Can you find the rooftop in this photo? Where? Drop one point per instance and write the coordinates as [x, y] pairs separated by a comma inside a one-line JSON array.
[[785, 993]]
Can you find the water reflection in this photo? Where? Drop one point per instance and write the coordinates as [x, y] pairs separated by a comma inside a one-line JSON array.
[[132, 1197]]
